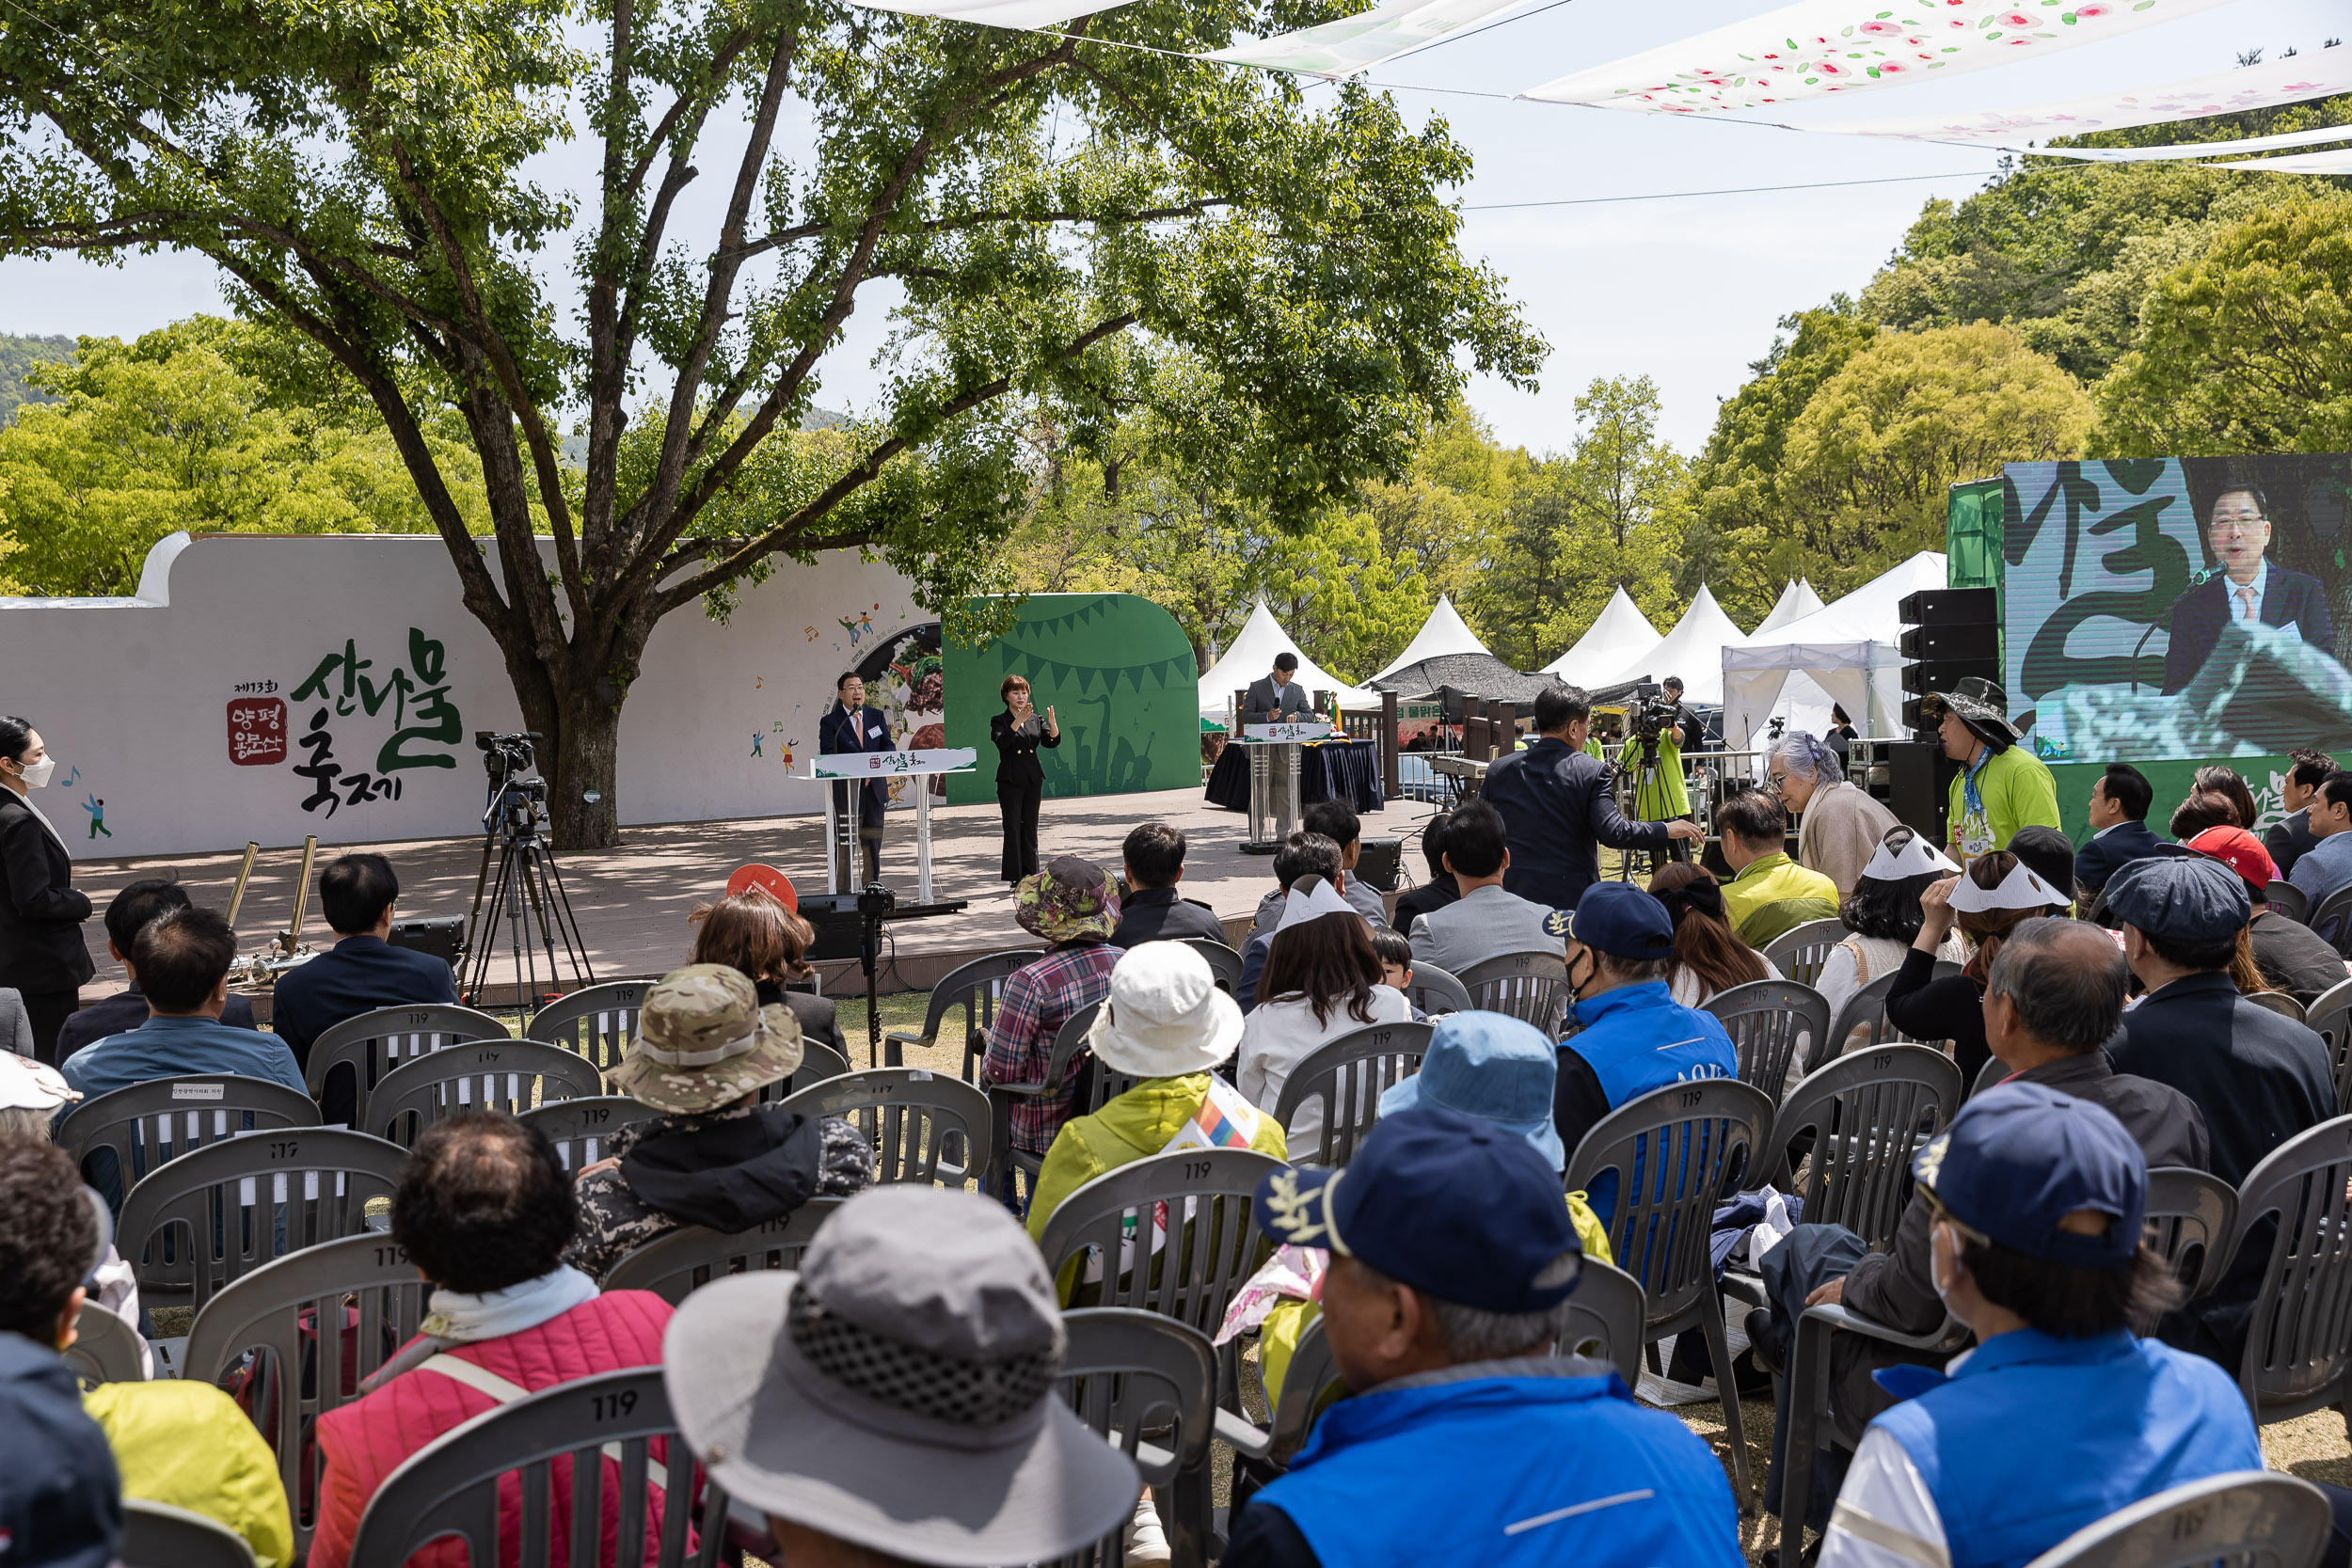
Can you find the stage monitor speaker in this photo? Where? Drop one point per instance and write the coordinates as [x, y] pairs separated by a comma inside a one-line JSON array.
[[1920, 783], [1950, 607], [1921, 676], [1378, 866], [1934, 643], [443, 936], [834, 917]]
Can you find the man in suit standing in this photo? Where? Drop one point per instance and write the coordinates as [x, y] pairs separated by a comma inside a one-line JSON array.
[[2120, 832], [1276, 699], [849, 725], [2291, 840], [1557, 804], [2245, 588]]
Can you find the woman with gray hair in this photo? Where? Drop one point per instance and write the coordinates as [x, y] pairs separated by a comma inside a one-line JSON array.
[[1838, 824]]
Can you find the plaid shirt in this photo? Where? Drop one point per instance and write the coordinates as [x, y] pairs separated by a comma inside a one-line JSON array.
[[1037, 1002]]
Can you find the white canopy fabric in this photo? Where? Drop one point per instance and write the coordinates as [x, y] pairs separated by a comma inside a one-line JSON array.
[[1444, 632], [2339, 162], [1693, 650], [1618, 635], [1370, 38], [2288, 80], [1795, 599], [1848, 652], [1252, 655], [997, 13]]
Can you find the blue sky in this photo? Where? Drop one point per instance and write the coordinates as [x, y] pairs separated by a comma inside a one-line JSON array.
[[1685, 291]]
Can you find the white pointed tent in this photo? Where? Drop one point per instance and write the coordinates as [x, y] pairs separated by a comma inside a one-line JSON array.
[[1252, 655], [1619, 635], [1444, 632], [1693, 650], [1795, 599], [1850, 649]]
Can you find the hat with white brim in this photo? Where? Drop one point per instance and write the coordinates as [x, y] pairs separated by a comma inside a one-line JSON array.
[[1165, 1017], [2020, 890]]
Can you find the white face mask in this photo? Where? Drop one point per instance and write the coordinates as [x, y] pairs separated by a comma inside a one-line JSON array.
[[37, 776]]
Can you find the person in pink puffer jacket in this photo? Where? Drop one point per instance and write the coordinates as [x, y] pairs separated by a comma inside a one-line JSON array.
[[484, 1211]]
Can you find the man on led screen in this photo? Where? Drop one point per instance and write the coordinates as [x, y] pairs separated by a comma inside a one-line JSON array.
[[2242, 586]]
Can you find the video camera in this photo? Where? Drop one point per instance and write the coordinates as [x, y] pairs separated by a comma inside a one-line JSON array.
[[516, 805], [1651, 714], [504, 756]]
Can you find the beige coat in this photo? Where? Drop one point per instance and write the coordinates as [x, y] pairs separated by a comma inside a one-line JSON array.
[[1838, 831]]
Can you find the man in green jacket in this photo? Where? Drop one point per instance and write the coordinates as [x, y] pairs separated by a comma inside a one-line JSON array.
[[2002, 786]]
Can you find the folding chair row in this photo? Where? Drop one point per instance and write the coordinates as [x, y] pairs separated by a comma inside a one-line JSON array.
[[1096, 1088]]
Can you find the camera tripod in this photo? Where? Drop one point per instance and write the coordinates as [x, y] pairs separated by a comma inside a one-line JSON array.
[[528, 894]]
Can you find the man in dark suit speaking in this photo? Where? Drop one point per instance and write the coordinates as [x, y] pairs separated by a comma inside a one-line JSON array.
[[2244, 586], [849, 725], [1276, 699]]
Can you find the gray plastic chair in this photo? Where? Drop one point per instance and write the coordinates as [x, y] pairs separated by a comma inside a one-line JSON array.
[[1212, 1245], [2242, 1519], [550, 1442], [2328, 919], [147, 1124], [1223, 962], [2191, 1214], [1435, 991], [2278, 1002], [1800, 952], [1677, 1151], [1530, 986], [819, 1062], [1605, 1318], [976, 988], [478, 1075], [105, 1349], [1348, 1075], [2329, 1016], [375, 1044], [924, 1126], [596, 1021], [343, 1306], [2298, 1345], [1095, 1089], [158, 1535], [581, 1129], [1866, 1009], [674, 1265], [231, 1206], [1994, 1072], [1869, 1111], [1771, 1023], [1148, 1386], [2288, 900]]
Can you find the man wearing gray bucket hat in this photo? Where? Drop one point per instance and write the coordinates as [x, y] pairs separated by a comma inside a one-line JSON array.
[[896, 1393]]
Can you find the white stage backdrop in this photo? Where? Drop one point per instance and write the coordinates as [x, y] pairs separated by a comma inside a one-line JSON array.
[[266, 687]]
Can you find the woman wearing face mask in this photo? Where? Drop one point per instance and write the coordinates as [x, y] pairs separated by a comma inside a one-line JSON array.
[[41, 952]]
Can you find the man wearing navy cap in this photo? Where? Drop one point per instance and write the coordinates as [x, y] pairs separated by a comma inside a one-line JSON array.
[[2039, 1200], [1466, 1442]]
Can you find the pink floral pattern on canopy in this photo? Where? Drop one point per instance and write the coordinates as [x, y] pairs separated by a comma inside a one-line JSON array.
[[1818, 47], [2322, 74]]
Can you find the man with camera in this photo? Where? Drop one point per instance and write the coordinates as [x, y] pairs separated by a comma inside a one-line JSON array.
[[1662, 794], [1557, 806]]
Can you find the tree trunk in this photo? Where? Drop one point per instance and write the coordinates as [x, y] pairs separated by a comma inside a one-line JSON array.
[[578, 765]]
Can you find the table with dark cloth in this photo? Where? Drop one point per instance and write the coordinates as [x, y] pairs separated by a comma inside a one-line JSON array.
[[1328, 769]]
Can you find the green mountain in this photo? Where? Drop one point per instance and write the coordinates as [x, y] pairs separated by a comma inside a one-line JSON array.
[[17, 356]]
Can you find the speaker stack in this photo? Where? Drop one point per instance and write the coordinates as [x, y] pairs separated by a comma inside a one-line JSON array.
[[1951, 633]]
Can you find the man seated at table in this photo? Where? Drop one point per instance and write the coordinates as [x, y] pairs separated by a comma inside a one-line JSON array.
[[133, 907]]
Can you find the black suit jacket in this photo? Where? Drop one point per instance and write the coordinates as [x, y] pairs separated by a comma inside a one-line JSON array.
[[1557, 808], [2111, 851], [356, 975], [1262, 702], [2259, 1078], [1163, 915], [1016, 748], [2290, 841], [127, 1010], [837, 732], [41, 949], [2199, 615]]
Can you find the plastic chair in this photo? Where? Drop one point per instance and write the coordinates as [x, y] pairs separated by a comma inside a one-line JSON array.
[[2329, 1016], [147, 1124], [1213, 1242], [1800, 952], [325, 1318], [507, 1076], [1869, 1110], [1994, 1072], [910, 1116], [2241, 1519], [2298, 1344], [565, 1445], [581, 1129], [1223, 962], [1866, 1009], [1348, 1075], [977, 988], [1435, 991], [2328, 919], [1149, 1385], [2278, 1002], [105, 1349], [674, 1265], [1604, 1319], [1677, 1151], [819, 1062], [1771, 1023], [2288, 900], [2190, 1215], [375, 1044], [596, 1021], [1530, 986], [158, 1535], [234, 1206], [1094, 1090]]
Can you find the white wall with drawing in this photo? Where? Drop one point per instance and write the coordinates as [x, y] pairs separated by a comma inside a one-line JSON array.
[[266, 687]]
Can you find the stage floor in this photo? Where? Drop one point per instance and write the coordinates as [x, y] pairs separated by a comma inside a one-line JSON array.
[[632, 900]]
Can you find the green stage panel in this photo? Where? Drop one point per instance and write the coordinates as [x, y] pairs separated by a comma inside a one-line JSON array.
[[1118, 672], [2171, 778]]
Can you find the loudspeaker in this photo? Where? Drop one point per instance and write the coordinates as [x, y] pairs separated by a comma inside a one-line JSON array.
[[834, 917], [1950, 607], [443, 936], [1934, 643], [1920, 781], [1376, 865], [1954, 635], [1940, 674]]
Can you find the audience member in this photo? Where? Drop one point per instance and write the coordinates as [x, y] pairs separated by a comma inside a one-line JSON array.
[[133, 907], [1707, 959], [1558, 803], [1632, 1036], [2327, 865], [893, 1401], [34, 1101], [1452, 1256], [1883, 916], [1395, 954], [361, 973], [1440, 889], [2203, 809], [2225, 781], [1992, 897], [714, 1156], [1337, 820], [2289, 841], [2001, 786], [753, 932], [1153, 855], [1768, 894], [2119, 833], [1071, 905], [1838, 824], [485, 1212], [2037, 1201], [1487, 920], [1302, 855], [1323, 979], [2049, 854], [2287, 955], [1492, 1066]]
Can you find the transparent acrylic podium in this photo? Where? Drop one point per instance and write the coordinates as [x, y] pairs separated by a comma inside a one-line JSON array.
[[1274, 761], [858, 769]]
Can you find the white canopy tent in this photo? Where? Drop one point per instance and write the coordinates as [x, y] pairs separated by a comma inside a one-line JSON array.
[[1693, 650], [1444, 632], [1619, 635], [1848, 651], [1795, 599], [1252, 655]]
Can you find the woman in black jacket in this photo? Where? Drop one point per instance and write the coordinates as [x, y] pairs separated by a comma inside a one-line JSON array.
[[754, 932], [41, 951], [1018, 732]]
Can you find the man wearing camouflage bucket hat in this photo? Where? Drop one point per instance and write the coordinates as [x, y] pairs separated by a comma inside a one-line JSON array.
[[714, 1156], [1071, 905], [2002, 786]]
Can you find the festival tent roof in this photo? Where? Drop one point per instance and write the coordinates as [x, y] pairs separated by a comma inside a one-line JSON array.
[[1252, 654], [1693, 650], [1850, 650], [1480, 675], [1444, 632], [1795, 599], [1619, 635]]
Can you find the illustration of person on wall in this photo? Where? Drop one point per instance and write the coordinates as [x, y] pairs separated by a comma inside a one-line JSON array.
[[96, 809], [2242, 585], [849, 725]]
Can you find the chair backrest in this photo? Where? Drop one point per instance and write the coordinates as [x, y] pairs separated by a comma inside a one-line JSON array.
[[559, 1444], [159, 1535], [377, 1042], [1105, 1082], [2190, 1214], [1212, 1241], [2288, 900], [148, 1123], [819, 1062], [1149, 1385], [581, 1129], [924, 1126], [1994, 1072], [1530, 986], [2330, 1017], [597, 1022], [2298, 1346], [2327, 917], [1435, 991], [2239, 1519], [2277, 1002], [322, 1320], [1605, 1318], [1771, 1023], [976, 988], [681, 1262], [1800, 952], [1676, 1151], [1869, 1111], [105, 1349], [1348, 1075], [1866, 1009], [1223, 962], [507, 1076], [229, 1207]]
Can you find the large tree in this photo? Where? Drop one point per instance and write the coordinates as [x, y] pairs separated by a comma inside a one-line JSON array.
[[1042, 214]]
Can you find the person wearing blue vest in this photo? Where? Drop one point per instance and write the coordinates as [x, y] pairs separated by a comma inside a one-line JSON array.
[[1467, 1442], [1632, 1036], [2059, 1417]]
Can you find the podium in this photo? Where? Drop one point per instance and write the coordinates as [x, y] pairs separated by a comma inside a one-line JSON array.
[[843, 806], [1274, 809]]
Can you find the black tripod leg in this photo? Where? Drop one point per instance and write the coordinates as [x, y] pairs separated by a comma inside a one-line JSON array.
[[473, 922], [575, 942]]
